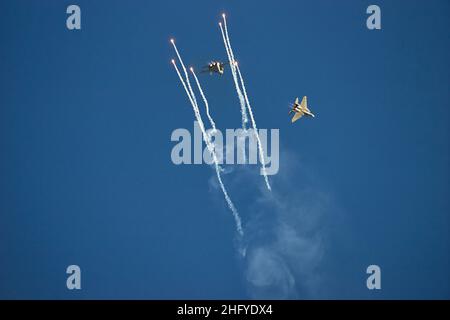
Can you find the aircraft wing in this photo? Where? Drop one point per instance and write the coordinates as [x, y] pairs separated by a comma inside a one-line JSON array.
[[304, 103], [297, 116]]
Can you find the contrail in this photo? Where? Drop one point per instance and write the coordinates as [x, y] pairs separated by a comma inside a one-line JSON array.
[[228, 38], [233, 209], [184, 84], [185, 72], [236, 68], [211, 121], [255, 130], [236, 84]]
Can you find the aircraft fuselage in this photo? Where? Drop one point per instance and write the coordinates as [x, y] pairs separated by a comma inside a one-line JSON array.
[[297, 109]]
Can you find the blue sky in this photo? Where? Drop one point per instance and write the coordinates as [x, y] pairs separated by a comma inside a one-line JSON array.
[[86, 118]]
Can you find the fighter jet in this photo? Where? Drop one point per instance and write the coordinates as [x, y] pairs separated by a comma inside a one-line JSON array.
[[300, 109], [214, 66]]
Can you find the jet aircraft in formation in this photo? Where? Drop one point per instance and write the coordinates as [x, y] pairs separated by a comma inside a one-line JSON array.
[[300, 109], [214, 67]]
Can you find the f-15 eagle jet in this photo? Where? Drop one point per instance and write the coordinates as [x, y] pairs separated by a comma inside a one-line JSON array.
[[214, 67], [300, 109]]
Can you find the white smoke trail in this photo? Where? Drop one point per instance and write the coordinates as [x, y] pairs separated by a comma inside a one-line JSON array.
[[235, 79], [185, 73], [183, 83], [255, 130], [211, 121], [235, 67], [233, 209], [227, 36]]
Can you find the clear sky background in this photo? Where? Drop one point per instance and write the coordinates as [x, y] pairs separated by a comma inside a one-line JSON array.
[[86, 176]]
